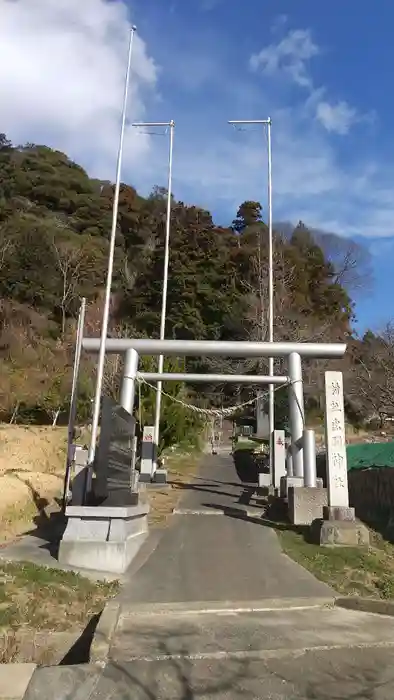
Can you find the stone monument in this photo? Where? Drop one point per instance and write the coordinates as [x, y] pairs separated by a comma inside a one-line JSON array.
[[115, 482], [107, 535], [339, 525]]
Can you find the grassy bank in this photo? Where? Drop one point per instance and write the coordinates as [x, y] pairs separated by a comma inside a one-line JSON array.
[[32, 462], [350, 571], [35, 597]]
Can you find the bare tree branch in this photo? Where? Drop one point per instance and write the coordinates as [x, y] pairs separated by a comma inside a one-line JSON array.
[[69, 261], [371, 381]]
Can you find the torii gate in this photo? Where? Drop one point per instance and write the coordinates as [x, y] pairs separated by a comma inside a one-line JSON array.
[[133, 348]]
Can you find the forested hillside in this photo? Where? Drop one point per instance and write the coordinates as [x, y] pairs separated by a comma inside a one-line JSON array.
[[54, 227]]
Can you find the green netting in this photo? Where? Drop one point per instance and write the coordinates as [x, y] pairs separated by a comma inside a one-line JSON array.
[[372, 454]]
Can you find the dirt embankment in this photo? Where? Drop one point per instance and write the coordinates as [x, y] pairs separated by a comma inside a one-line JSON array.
[[32, 462]]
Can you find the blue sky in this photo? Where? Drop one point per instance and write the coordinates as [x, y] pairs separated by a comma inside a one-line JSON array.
[[322, 71]]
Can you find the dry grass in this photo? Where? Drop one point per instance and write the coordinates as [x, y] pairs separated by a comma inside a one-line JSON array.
[[181, 469], [32, 462], [32, 448], [34, 597], [365, 571], [10, 649]]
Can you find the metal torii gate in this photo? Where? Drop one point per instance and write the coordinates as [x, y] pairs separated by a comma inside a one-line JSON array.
[[133, 348]]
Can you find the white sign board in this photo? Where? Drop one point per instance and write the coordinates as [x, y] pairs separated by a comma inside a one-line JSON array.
[[279, 456], [337, 485], [147, 450]]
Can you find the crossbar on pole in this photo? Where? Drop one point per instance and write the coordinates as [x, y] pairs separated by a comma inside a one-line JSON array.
[[249, 121], [210, 348], [141, 124], [212, 378]]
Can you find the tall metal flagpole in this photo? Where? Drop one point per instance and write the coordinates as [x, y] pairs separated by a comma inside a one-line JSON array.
[[107, 298], [271, 396], [271, 401], [170, 125], [73, 400], [165, 287]]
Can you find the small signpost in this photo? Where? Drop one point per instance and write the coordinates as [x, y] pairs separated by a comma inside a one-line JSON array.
[[147, 454], [279, 462]]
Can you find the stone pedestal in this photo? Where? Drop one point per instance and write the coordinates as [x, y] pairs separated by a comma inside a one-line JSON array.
[[159, 481], [339, 527], [306, 504], [339, 513], [160, 476], [145, 478], [287, 481], [267, 492], [340, 533], [264, 480], [78, 486], [103, 538]]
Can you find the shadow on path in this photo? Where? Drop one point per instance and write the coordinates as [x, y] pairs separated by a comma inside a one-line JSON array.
[[173, 669], [49, 526], [273, 516], [248, 465], [80, 651], [201, 488]]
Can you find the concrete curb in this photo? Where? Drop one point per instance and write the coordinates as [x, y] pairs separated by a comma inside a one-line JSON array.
[[213, 607], [104, 633], [368, 605], [14, 680]]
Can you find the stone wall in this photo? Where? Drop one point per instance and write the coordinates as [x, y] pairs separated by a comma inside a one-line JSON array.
[[371, 492]]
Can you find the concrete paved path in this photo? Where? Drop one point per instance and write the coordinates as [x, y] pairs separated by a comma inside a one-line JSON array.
[[329, 654], [215, 611], [209, 553]]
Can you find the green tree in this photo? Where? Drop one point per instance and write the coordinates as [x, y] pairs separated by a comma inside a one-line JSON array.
[[248, 214]]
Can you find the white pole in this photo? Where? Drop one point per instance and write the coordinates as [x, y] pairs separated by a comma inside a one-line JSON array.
[[309, 447], [271, 400], [74, 397], [127, 389], [296, 411], [107, 299], [165, 286], [271, 410]]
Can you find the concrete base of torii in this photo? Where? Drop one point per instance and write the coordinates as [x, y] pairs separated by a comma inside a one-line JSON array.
[[339, 527]]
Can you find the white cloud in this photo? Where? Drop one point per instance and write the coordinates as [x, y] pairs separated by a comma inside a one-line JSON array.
[[338, 118], [311, 181], [64, 81], [291, 55], [279, 22], [63, 86]]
